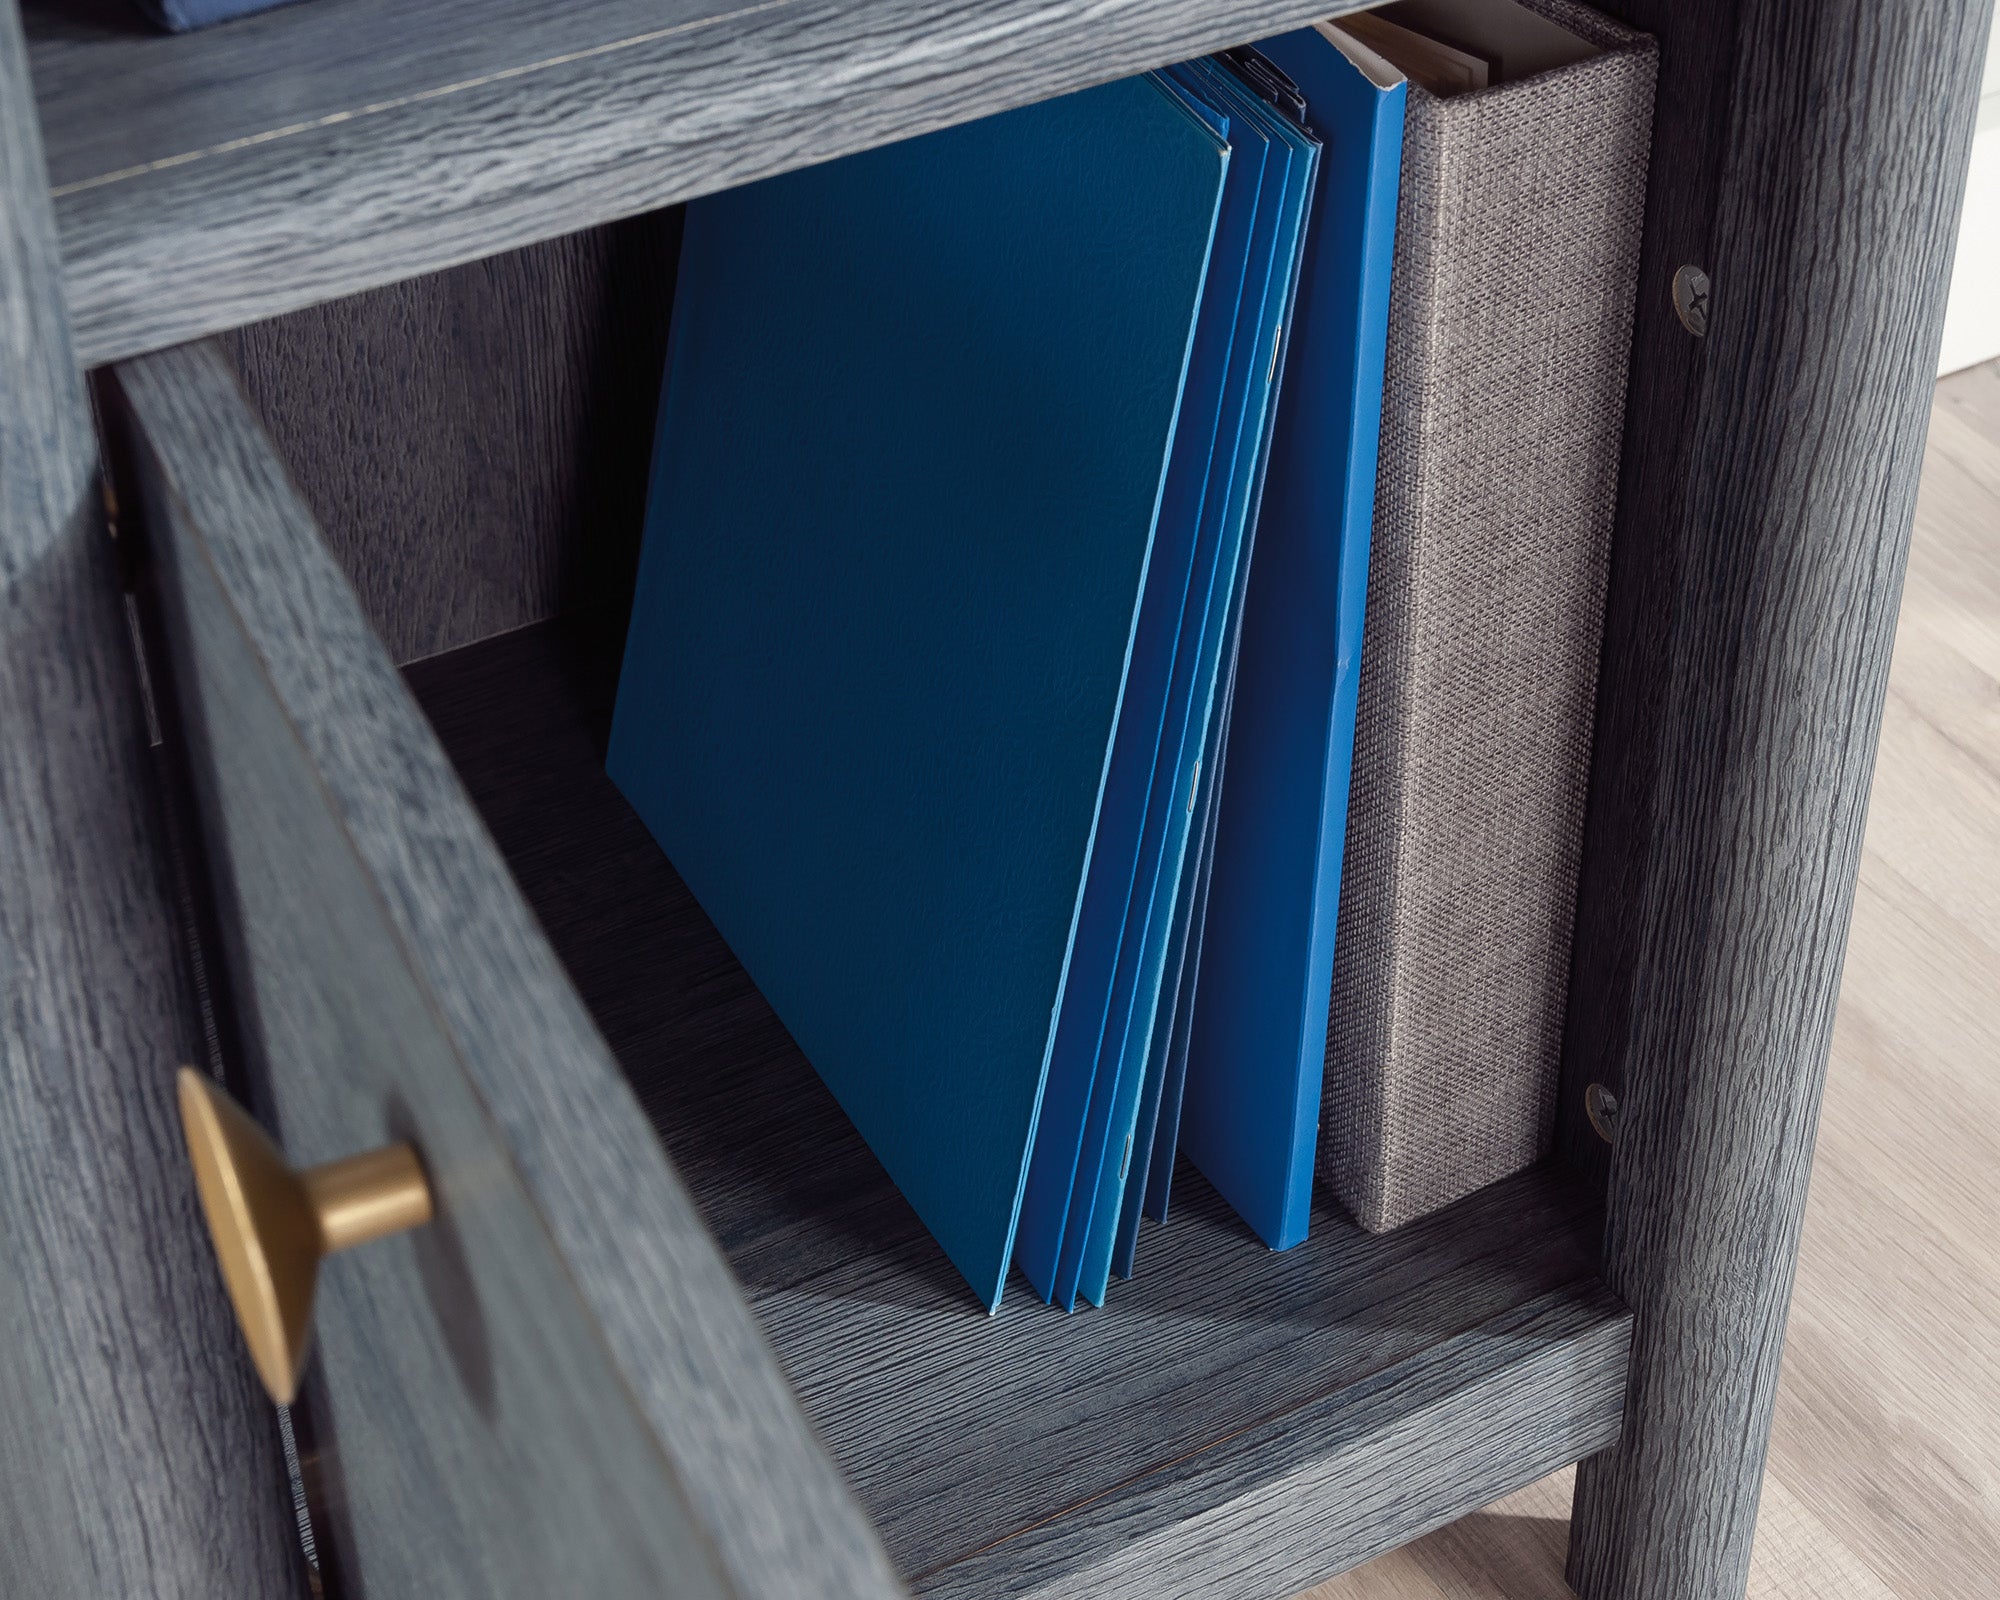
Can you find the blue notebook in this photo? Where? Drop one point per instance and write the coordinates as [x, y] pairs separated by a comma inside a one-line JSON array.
[[914, 441], [1250, 1107]]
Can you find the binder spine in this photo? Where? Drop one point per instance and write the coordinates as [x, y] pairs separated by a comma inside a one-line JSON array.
[[1503, 409]]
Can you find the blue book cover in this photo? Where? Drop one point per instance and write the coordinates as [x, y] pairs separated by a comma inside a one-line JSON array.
[[913, 441], [1230, 512], [1155, 1135], [1279, 90], [1250, 1110], [1069, 1139]]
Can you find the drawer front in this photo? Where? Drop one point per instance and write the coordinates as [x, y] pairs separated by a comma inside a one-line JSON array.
[[555, 1387]]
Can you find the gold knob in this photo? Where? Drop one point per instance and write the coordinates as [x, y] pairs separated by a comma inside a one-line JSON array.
[[271, 1226]]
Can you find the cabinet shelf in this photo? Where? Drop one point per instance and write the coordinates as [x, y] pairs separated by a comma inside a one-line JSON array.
[[211, 179], [1233, 1420]]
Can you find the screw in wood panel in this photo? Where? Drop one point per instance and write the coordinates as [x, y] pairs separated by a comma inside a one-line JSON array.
[[1601, 1106], [1691, 300]]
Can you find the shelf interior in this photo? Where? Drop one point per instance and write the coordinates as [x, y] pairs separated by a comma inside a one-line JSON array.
[[970, 1438]]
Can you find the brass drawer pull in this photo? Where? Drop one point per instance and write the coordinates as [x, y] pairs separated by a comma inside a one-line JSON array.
[[271, 1225]]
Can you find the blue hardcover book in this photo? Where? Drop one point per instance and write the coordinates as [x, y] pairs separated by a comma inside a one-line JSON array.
[[1230, 514], [919, 415], [1250, 1110]]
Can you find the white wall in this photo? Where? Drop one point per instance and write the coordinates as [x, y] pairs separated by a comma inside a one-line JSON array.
[[1972, 318]]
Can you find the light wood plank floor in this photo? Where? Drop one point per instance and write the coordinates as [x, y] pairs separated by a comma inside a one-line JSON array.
[[1884, 1475]]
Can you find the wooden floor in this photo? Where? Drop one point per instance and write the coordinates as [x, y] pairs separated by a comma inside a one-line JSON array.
[[1884, 1474]]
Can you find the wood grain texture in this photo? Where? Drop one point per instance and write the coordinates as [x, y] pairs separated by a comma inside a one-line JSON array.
[[1885, 1427], [135, 1454], [1510, 1550], [1325, 1487], [1886, 1438], [1207, 1430], [1830, 243], [474, 444], [1697, 41], [480, 1442], [1514, 1550], [557, 1385], [1972, 399], [223, 177]]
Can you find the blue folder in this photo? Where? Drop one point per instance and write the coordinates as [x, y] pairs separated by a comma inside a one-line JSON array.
[[915, 432], [1156, 1128], [1229, 517], [1071, 1138], [1250, 1111]]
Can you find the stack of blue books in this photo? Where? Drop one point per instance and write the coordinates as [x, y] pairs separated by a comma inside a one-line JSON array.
[[991, 673]]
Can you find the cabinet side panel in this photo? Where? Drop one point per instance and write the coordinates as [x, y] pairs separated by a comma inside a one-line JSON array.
[[474, 444]]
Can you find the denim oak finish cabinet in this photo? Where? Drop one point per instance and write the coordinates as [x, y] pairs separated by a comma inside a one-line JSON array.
[[327, 349]]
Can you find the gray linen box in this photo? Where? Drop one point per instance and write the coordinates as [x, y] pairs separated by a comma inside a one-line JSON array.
[[1503, 408]]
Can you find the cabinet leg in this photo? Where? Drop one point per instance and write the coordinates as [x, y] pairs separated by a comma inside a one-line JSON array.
[[1841, 175]]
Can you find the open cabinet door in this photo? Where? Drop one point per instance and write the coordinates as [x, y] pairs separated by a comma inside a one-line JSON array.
[[554, 1387]]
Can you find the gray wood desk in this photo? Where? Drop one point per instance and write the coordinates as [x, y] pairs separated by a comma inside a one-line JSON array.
[[303, 639]]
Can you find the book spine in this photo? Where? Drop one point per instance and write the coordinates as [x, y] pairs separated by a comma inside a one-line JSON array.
[[1503, 411]]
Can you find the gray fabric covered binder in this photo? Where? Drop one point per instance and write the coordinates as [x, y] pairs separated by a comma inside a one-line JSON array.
[[1509, 326]]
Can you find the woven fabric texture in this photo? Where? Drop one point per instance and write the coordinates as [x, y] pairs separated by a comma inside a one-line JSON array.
[[1503, 408]]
